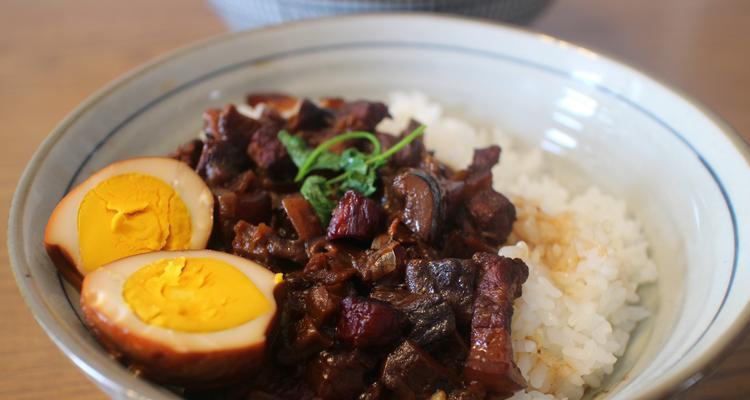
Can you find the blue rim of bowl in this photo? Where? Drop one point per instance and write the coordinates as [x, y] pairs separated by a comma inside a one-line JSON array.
[[674, 384]]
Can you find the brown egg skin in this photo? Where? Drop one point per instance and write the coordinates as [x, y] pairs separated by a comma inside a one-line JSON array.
[[65, 265], [62, 222], [162, 364]]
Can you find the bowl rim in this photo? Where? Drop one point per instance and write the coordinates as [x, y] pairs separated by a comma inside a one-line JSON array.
[[676, 382]]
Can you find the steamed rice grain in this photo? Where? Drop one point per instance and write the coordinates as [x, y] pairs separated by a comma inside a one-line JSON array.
[[586, 255]]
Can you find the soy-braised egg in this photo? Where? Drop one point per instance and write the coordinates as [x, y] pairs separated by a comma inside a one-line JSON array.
[[189, 318], [129, 207]]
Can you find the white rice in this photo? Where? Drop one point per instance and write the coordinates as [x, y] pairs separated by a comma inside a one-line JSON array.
[[586, 257]]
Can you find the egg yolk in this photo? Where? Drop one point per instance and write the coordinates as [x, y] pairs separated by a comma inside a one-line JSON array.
[[193, 295], [130, 214]]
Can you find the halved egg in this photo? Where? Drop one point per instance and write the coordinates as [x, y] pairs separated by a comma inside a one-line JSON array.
[[129, 207], [194, 318]]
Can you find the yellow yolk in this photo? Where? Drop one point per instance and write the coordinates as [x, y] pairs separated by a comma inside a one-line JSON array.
[[193, 295], [130, 214]]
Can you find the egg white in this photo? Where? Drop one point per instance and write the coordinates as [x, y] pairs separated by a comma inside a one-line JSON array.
[[62, 228], [102, 292]]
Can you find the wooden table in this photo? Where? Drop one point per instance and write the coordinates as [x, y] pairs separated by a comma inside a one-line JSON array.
[[53, 54]]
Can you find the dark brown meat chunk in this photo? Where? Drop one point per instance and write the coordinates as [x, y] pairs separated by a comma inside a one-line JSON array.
[[433, 166], [413, 153], [309, 339], [225, 214], [244, 182], [430, 316], [452, 278], [464, 184], [220, 161], [302, 340], [321, 304], [455, 196], [463, 243], [411, 373], [490, 359], [266, 150], [338, 376], [332, 267], [369, 323], [262, 244], [484, 159], [300, 334], [424, 203], [252, 207], [211, 123], [309, 117], [235, 127], [279, 182], [223, 156], [391, 201], [302, 216], [452, 351], [471, 182], [355, 217], [189, 153], [360, 115], [228, 125], [493, 214]]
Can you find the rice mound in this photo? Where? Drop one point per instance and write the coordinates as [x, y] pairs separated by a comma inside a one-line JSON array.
[[586, 258]]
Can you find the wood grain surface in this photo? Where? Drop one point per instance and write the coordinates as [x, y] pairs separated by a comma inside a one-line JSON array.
[[53, 54]]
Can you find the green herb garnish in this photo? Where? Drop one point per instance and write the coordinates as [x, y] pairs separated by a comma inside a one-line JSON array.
[[300, 153], [318, 193], [320, 156], [358, 174], [358, 170]]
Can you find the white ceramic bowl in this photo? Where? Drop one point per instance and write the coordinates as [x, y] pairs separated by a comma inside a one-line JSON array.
[[681, 170]]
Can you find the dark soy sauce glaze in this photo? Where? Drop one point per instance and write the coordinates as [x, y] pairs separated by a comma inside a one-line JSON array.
[[400, 295]]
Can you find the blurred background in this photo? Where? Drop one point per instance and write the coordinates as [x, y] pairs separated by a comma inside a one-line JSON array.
[[54, 54], [240, 14]]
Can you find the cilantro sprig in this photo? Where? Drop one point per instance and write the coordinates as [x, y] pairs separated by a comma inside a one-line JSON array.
[[358, 171]]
